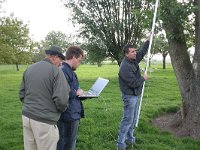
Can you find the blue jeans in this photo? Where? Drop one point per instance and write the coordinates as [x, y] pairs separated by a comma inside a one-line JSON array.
[[68, 132], [126, 130]]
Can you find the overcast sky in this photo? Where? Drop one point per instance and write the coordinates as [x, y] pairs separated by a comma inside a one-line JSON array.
[[41, 15]]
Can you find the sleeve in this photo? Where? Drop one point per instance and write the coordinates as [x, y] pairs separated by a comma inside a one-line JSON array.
[[142, 51], [22, 89], [72, 92], [61, 91]]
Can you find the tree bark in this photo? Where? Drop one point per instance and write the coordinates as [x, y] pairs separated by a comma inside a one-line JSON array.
[[192, 120], [17, 66], [196, 60], [187, 75], [164, 61], [183, 71], [99, 64], [189, 87]]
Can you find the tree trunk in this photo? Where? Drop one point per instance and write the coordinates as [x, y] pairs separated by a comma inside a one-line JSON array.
[[189, 87], [99, 64], [17, 66], [150, 62], [196, 60], [183, 71], [187, 75], [119, 62], [192, 120], [164, 61]]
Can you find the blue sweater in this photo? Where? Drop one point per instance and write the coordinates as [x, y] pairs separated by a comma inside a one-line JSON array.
[[75, 109]]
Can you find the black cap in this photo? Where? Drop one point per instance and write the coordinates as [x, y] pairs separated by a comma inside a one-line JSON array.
[[55, 50]]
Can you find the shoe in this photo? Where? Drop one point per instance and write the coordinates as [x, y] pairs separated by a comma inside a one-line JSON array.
[[129, 144]]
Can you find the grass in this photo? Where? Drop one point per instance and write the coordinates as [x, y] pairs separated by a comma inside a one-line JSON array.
[[99, 129]]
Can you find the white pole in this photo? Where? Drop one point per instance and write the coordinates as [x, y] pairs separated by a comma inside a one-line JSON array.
[[147, 64]]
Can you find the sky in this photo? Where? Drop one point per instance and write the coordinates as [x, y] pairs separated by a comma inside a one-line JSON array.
[[42, 16]]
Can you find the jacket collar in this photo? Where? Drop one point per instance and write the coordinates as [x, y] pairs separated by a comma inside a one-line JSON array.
[[48, 60], [129, 60], [66, 64]]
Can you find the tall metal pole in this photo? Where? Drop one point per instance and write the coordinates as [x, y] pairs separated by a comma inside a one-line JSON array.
[[147, 64]]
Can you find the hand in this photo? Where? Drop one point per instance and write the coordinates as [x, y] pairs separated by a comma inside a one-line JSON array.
[[149, 36], [79, 92], [145, 76]]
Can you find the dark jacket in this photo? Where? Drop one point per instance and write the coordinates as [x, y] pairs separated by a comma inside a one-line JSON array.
[[44, 92], [75, 109], [130, 79]]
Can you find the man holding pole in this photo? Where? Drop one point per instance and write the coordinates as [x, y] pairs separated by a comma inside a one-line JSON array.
[[131, 83]]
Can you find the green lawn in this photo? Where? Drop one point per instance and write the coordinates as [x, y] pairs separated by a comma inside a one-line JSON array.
[[99, 129]]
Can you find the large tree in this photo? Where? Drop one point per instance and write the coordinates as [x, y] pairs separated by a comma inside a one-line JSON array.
[[95, 51], [176, 16], [15, 43], [114, 22]]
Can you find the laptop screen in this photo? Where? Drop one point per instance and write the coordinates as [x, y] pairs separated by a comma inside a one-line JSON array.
[[98, 86]]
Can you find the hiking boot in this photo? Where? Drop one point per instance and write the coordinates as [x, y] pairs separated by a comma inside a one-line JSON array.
[[129, 145]]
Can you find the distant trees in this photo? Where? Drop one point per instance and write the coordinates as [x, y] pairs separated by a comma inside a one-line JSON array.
[[55, 38], [113, 23], [161, 46], [95, 51], [52, 38], [15, 44], [38, 53]]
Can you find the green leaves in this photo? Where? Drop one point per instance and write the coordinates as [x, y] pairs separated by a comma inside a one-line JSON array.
[[52, 38], [178, 15], [56, 38], [116, 22], [15, 42], [95, 51]]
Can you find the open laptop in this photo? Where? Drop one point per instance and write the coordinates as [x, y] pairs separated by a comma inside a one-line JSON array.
[[96, 88]]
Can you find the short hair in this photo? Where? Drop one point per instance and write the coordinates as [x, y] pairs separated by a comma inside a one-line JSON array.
[[126, 48], [74, 51]]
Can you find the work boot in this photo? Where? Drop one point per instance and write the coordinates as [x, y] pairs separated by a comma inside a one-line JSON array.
[[121, 149]]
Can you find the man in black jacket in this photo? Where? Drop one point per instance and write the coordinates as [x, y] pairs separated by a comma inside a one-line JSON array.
[[130, 82]]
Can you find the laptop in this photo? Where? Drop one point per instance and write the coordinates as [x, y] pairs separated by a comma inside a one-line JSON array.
[[96, 88]]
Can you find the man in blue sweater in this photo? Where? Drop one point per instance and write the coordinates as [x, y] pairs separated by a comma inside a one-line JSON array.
[[69, 121]]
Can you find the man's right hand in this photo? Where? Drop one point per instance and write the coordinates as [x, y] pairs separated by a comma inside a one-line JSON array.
[[79, 92]]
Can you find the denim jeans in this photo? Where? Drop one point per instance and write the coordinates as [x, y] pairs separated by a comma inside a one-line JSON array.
[[126, 130], [68, 133]]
